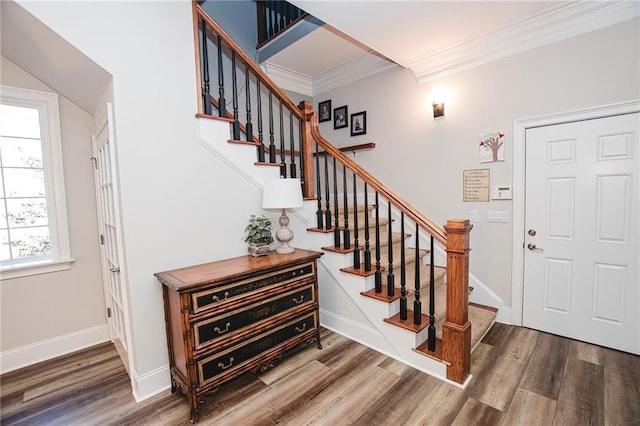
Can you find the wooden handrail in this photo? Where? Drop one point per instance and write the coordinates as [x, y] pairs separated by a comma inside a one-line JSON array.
[[219, 31], [425, 223], [353, 148]]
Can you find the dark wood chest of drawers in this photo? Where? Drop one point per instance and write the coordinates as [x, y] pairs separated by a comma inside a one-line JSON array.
[[236, 315]]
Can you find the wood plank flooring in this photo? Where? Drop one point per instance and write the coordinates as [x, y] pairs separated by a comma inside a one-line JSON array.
[[521, 377]]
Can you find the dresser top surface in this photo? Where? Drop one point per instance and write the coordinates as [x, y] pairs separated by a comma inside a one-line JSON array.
[[226, 269]]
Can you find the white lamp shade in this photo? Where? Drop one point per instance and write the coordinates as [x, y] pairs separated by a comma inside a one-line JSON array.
[[281, 194]]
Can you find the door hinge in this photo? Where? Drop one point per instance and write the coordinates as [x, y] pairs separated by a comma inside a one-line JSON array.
[[108, 312], [95, 162], [101, 239]]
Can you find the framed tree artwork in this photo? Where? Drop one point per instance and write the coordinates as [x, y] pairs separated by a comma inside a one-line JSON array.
[[340, 117], [359, 123], [324, 111]]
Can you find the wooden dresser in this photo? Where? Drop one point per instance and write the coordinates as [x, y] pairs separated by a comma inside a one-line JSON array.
[[236, 315]]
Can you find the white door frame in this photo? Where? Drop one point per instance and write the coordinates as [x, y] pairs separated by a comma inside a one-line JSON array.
[[519, 134]]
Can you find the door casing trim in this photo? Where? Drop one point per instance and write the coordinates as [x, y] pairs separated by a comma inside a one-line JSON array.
[[519, 136]]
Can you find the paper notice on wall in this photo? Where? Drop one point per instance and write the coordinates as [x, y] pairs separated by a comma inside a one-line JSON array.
[[475, 185]]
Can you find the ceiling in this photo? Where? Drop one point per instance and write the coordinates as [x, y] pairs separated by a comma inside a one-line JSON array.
[[35, 47], [436, 38]]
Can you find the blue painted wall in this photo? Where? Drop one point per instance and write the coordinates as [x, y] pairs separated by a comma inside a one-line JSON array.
[[238, 18]]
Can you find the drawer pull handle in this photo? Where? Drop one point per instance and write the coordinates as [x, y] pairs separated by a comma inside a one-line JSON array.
[[219, 331], [301, 329], [216, 299], [224, 367], [296, 301]]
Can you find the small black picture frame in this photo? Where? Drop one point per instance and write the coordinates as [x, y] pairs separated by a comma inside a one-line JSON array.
[[340, 117], [359, 123], [324, 111]]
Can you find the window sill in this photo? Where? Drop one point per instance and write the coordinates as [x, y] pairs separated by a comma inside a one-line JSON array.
[[36, 268]]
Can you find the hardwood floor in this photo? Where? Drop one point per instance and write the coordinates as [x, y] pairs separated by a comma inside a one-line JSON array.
[[521, 377]]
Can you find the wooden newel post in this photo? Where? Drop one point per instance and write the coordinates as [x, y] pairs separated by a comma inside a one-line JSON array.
[[305, 144], [456, 332]]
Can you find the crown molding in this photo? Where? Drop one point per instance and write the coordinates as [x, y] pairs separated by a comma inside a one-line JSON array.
[[550, 27], [357, 69], [288, 79]]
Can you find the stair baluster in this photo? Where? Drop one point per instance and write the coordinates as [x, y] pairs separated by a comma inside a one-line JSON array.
[[247, 85], [272, 20], [222, 107], [302, 160], [432, 302], [327, 200], [378, 269], [356, 251], [319, 212], [346, 234], [234, 97], [261, 147], [283, 165], [403, 278], [204, 65], [336, 214], [367, 250], [292, 148], [281, 22], [417, 304], [390, 277], [272, 145]]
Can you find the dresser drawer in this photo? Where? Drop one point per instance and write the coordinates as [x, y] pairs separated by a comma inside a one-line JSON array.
[[207, 299], [243, 356], [209, 331]]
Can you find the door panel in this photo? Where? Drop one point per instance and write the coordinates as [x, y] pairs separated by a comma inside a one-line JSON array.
[[581, 257], [109, 223]]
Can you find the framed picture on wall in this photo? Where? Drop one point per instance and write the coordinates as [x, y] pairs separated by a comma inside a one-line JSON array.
[[340, 117], [324, 111], [359, 123]]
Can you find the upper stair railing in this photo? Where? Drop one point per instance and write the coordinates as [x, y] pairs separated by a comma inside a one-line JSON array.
[[275, 17], [366, 218]]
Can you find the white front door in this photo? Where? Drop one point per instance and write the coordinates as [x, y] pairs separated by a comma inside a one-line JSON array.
[[110, 241], [581, 237]]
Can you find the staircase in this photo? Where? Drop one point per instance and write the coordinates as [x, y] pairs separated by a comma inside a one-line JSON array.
[[390, 278], [480, 317]]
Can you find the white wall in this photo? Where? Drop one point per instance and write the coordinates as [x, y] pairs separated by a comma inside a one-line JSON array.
[[39, 308], [423, 159], [180, 205]]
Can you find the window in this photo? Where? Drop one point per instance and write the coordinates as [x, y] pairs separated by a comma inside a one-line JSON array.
[[34, 234]]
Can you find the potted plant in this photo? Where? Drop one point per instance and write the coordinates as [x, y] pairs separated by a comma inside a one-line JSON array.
[[258, 235]]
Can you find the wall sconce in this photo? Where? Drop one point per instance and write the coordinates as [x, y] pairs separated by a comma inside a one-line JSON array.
[[438, 109]]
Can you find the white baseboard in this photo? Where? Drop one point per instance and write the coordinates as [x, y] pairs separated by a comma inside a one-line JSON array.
[[33, 353], [152, 383], [504, 315]]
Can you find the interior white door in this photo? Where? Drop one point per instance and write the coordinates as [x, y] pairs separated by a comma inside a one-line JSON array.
[[110, 241], [582, 231]]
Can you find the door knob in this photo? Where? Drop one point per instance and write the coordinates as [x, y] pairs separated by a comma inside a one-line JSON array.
[[533, 247]]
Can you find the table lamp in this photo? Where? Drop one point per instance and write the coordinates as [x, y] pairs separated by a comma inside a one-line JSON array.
[[282, 194]]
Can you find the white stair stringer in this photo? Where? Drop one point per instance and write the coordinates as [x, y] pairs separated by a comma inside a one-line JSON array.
[[393, 341], [214, 136]]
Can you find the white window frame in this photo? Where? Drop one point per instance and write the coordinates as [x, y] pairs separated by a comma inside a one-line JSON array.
[[60, 258]]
